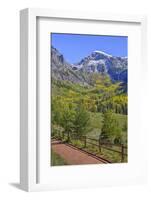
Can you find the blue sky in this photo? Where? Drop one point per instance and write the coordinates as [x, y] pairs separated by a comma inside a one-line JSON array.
[[74, 47]]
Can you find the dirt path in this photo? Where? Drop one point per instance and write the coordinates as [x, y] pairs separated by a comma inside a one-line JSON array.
[[72, 155]]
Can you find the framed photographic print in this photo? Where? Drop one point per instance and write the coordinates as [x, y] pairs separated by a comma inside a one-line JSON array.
[[82, 80]]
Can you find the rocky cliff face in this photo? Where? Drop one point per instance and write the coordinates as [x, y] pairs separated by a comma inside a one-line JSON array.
[[61, 70]]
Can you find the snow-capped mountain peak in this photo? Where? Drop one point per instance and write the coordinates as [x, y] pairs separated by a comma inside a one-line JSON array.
[[101, 62]]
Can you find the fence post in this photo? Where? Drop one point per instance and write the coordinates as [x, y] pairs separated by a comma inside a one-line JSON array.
[[59, 135], [63, 135], [100, 145], [122, 153], [85, 141]]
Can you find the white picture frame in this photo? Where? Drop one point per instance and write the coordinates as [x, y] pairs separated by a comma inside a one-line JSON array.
[[29, 142]]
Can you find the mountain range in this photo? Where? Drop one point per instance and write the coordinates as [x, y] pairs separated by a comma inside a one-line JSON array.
[[97, 62]]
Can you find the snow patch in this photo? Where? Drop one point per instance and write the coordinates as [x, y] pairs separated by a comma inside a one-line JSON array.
[[96, 62], [101, 52]]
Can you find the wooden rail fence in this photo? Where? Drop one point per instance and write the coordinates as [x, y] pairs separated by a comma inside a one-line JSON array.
[[117, 148]]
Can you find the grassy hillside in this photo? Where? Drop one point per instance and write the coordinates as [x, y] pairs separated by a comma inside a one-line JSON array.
[[96, 124]]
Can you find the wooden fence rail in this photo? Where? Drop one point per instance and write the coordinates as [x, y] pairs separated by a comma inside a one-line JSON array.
[[107, 146]]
